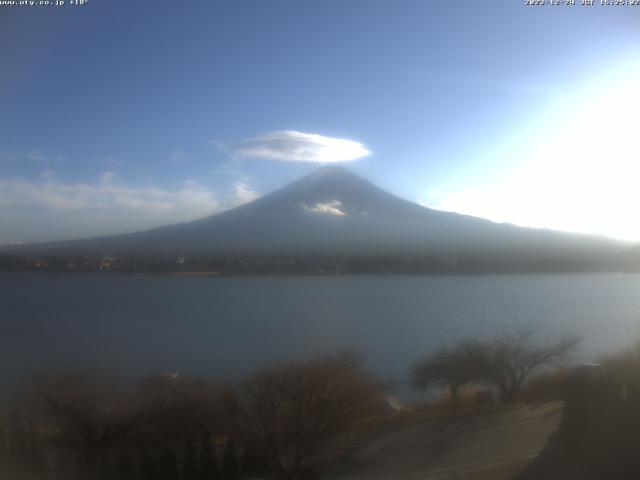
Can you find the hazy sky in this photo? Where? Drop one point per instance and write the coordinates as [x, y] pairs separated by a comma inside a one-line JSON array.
[[120, 115]]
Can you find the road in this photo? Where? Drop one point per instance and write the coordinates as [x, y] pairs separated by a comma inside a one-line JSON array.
[[484, 446]]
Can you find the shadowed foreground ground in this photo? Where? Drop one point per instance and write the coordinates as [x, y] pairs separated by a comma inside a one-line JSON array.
[[492, 446]]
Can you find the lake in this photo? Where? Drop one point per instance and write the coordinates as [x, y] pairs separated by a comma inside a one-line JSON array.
[[139, 324]]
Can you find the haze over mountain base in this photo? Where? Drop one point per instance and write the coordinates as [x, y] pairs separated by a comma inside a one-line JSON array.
[[332, 221]]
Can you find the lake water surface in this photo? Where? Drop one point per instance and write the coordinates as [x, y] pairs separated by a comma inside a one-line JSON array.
[[140, 324]]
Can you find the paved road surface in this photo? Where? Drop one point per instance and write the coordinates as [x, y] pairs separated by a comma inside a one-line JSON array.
[[492, 446]]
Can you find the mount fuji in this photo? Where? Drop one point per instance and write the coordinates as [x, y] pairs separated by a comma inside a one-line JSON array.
[[335, 212]]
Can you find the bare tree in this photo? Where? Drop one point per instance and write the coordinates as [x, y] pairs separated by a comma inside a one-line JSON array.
[[510, 359], [290, 411], [92, 416], [452, 368], [189, 407]]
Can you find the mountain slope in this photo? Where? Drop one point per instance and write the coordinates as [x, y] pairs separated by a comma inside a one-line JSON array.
[[332, 211]]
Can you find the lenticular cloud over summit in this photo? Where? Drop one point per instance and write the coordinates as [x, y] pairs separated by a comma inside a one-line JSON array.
[[294, 146]]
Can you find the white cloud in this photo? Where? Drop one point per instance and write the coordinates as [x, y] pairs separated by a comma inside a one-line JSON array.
[[242, 193], [107, 177], [179, 156], [293, 146], [36, 156], [81, 196], [50, 209], [329, 208]]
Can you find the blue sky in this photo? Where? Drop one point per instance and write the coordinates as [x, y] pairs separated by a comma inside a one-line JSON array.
[[120, 115]]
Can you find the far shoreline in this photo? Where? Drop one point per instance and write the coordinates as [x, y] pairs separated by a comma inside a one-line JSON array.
[[214, 274]]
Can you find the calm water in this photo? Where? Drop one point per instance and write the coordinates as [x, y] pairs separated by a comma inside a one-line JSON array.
[[140, 324]]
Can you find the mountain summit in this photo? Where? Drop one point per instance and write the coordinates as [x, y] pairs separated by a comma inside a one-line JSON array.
[[331, 190], [335, 212]]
